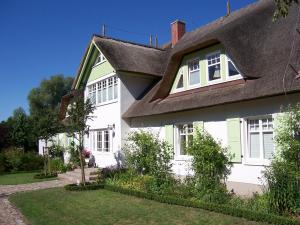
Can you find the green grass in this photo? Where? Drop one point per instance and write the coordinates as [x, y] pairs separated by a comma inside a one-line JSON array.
[[20, 178], [57, 206]]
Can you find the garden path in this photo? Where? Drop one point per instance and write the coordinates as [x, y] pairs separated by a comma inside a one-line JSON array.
[[10, 215]]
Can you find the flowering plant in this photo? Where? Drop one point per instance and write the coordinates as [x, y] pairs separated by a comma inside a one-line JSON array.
[[86, 153]]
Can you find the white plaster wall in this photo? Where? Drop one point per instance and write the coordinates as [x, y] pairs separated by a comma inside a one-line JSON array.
[[106, 115], [215, 123]]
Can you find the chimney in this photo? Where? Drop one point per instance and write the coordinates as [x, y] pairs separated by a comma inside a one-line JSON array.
[[177, 31]]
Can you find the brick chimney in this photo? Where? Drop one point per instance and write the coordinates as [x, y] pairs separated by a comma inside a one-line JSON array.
[[177, 31]]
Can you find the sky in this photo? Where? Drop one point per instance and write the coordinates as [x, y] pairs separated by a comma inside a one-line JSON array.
[[41, 38]]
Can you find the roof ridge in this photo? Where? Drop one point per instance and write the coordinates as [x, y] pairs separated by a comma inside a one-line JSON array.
[[222, 18], [128, 42]]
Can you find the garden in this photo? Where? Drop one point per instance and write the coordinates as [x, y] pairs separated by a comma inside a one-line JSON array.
[[147, 173]]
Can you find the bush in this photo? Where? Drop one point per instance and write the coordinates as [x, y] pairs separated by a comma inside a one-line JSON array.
[[74, 154], [88, 186], [17, 160], [147, 154], [283, 175], [2, 163], [56, 151], [43, 176], [57, 165], [211, 165]]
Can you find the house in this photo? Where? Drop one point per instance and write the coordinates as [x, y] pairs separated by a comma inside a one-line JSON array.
[[230, 77]]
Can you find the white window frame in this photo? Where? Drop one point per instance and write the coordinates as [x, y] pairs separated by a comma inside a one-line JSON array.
[[246, 143], [219, 80], [92, 89], [94, 140], [100, 82], [101, 59], [177, 146], [235, 77], [181, 73], [189, 71]]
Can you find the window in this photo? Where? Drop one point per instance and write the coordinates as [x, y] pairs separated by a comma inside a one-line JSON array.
[[92, 93], [103, 138], [194, 72], [184, 138], [260, 138], [107, 90], [214, 66], [180, 82], [232, 71], [100, 58]]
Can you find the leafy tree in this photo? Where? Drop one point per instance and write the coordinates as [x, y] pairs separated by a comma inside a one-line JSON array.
[[5, 139], [44, 102], [20, 128], [76, 125], [282, 8]]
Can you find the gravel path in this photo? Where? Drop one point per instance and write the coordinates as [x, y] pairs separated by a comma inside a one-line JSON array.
[[10, 215]]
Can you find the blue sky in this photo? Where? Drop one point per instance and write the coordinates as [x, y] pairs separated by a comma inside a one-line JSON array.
[[40, 38]]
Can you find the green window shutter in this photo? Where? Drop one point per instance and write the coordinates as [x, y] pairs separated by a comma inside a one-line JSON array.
[[169, 134], [198, 125], [234, 138]]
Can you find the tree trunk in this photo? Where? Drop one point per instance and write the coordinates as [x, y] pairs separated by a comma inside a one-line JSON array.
[[45, 162], [81, 161]]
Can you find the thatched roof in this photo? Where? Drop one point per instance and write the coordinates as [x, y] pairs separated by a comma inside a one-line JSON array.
[[267, 53]]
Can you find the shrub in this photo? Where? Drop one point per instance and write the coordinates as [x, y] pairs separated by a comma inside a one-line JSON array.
[[147, 154], [56, 151], [283, 175], [88, 186], [57, 165], [2, 163], [43, 176], [17, 160], [211, 165], [74, 154]]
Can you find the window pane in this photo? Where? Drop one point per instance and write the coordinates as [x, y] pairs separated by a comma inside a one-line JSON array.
[[99, 141], [115, 87], [268, 145], [194, 78], [180, 82], [232, 71], [182, 144], [106, 140], [254, 145], [214, 72], [110, 93]]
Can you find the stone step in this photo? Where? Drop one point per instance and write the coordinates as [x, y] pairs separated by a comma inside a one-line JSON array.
[[75, 175]]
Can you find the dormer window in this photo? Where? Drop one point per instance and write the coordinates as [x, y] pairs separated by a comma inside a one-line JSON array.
[[180, 84], [214, 66], [100, 58], [232, 71], [194, 72]]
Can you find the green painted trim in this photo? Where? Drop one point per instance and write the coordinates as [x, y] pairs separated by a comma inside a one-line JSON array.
[[100, 70], [234, 138], [89, 72], [169, 134]]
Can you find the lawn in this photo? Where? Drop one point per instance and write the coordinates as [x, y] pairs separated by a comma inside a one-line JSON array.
[[57, 206], [20, 178]]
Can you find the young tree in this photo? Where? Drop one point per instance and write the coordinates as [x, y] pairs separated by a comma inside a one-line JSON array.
[[76, 124]]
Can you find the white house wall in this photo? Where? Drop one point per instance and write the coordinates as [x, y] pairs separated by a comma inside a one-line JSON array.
[[106, 115], [215, 123]]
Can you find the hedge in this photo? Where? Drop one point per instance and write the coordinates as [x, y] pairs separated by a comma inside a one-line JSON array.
[[88, 186], [43, 176], [225, 209]]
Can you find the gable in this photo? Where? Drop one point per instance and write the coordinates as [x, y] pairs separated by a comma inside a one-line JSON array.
[[90, 70], [203, 68]]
